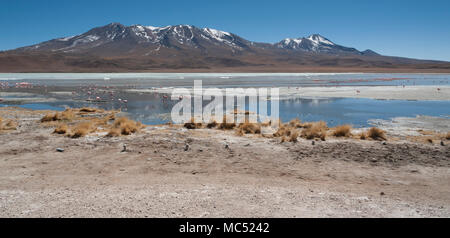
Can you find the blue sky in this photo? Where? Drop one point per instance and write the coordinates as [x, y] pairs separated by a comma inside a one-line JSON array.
[[417, 29]]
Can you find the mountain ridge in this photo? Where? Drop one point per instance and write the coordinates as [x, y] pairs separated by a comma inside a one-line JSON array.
[[116, 48]]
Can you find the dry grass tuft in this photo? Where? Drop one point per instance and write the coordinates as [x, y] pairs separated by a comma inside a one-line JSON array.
[[293, 137], [127, 126], [343, 131], [250, 128], [61, 129], [114, 132], [362, 136], [49, 117], [226, 125], [315, 130], [283, 130], [266, 124], [296, 123], [9, 125], [83, 129], [192, 124], [66, 115], [376, 134], [212, 124], [447, 136], [89, 109]]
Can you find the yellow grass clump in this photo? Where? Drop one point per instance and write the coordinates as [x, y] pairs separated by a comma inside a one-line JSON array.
[[315, 130], [342, 131], [266, 124], [89, 109], [127, 126], [362, 136], [66, 115], [376, 134], [283, 130], [114, 132], [83, 129], [250, 128], [212, 124], [9, 125], [61, 129], [296, 123], [293, 137], [192, 124], [226, 125]]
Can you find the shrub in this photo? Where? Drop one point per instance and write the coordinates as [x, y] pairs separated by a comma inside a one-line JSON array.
[[293, 137], [9, 125], [212, 124], [342, 131], [250, 128], [192, 124], [61, 129], [127, 126], [113, 132], [283, 130], [49, 117], [362, 136], [266, 124], [315, 130], [226, 125], [66, 115], [89, 109], [82, 129], [376, 134]]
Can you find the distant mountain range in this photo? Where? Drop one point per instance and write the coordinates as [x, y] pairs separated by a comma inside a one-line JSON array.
[[119, 48]]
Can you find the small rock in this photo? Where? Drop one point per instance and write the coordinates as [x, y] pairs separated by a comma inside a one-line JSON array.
[[124, 148], [382, 193], [200, 150], [313, 143], [442, 143], [60, 149], [374, 160], [384, 143], [227, 146], [186, 147]]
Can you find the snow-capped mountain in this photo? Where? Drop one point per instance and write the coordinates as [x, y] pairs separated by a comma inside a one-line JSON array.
[[116, 39], [315, 43]]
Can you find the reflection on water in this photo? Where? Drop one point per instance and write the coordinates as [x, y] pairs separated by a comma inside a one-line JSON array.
[[154, 108]]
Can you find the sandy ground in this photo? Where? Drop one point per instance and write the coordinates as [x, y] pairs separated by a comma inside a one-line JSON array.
[[372, 92], [168, 171]]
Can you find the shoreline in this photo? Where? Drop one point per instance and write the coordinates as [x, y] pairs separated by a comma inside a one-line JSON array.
[[424, 93]]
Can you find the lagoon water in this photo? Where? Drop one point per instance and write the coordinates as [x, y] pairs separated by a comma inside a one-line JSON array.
[[57, 91]]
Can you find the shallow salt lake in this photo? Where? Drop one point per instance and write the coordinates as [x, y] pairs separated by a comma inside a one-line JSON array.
[[72, 90]]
